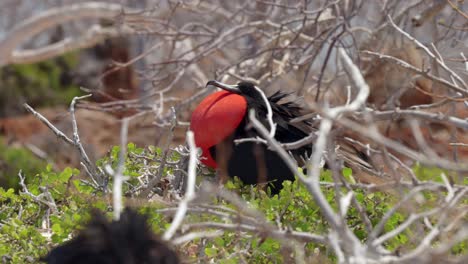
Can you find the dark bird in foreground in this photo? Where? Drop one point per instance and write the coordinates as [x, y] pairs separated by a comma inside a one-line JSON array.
[[222, 117], [127, 241]]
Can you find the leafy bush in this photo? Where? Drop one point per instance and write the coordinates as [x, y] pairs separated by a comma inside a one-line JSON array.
[[30, 227], [13, 159], [46, 83]]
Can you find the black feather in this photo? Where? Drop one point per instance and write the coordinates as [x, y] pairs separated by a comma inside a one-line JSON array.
[[248, 160], [127, 241], [256, 163]]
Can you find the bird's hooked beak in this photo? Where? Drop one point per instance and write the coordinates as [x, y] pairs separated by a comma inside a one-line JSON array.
[[230, 88]]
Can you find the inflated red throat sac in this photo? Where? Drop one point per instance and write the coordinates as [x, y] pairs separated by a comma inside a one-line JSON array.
[[214, 119]]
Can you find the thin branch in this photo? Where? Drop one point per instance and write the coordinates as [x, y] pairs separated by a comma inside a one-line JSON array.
[[46, 122], [407, 113], [410, 67], [118, 175], [51, 18], [44, 198], [302, 236], [269, 115], [428, 52], [190, 193], [90, 166]]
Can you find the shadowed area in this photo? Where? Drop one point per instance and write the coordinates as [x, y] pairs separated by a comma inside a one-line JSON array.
[[126, 241]]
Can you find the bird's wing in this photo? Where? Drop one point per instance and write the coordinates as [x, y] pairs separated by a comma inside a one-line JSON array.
[[283, 112]]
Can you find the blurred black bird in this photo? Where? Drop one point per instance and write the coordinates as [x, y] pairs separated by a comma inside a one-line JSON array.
[[127, 241]]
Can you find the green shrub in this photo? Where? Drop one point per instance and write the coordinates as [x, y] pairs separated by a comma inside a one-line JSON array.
[[14, 159], [24, 234], [45, 83]]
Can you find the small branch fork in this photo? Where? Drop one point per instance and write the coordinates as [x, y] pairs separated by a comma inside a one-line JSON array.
[[95, 173], [118, 176], [190, 193], [44, 198]]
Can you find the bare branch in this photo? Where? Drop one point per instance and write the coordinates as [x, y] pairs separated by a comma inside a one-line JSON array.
[[53, 17], [44, 198], [90, 166], [190, 193], [118, 175], [419, 71], [46, 122]]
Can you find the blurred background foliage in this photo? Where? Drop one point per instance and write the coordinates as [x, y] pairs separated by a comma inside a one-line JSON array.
[[44, 84], [15, 159], [47, 83]]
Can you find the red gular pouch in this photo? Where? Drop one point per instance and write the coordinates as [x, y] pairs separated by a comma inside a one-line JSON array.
[[216, 118]]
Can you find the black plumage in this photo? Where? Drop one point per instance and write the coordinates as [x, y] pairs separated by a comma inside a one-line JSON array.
[[254, 162], [127, 241]]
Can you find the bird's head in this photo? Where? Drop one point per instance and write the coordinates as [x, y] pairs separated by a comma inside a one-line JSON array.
[[246, 89]]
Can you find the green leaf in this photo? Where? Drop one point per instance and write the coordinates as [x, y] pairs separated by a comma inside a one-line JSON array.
[[65, 175], [211, 252], [347, 172]]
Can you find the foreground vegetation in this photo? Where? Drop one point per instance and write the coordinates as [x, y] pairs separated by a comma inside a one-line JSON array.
[[49, 206]]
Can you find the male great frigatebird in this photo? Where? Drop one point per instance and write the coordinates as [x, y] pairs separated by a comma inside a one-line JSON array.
[[222, 117]]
